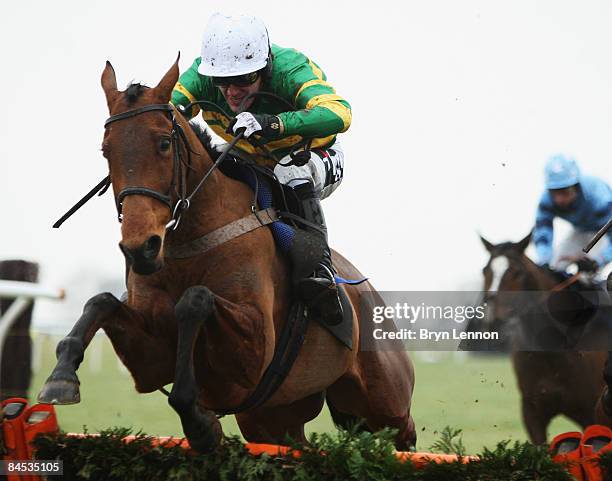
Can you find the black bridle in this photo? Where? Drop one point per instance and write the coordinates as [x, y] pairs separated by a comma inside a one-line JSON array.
[[179, 171], [179, 167]]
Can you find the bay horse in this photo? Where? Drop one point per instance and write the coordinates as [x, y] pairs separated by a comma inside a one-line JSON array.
[[552, 381], [210, 323]]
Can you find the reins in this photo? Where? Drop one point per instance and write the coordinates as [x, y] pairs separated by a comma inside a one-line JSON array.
[[556, 288], [566, 283], [179, 165]]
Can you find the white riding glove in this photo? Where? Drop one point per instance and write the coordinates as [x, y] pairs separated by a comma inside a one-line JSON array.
[[265, 125], [247, 121]]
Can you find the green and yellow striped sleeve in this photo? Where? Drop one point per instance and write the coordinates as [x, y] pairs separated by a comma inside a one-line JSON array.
[[322, 111], [191, 86]]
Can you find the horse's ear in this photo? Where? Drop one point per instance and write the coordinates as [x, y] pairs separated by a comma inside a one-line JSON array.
[[109, 84], [486, 243], [524, 243], [167, 83]]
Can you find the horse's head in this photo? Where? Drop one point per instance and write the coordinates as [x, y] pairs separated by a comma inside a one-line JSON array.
[[143, 165], [508, 270]]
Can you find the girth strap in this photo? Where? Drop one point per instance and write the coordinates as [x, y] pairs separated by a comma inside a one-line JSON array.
[[221, 235]]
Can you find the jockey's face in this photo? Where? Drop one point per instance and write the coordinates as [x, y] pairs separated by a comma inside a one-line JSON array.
[[564, 198], [234, 94]]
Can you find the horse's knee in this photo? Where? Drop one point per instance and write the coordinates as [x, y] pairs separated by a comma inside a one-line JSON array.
[[102, 304], [198, 302]]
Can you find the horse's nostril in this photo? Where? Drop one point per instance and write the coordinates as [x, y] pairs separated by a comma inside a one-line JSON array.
[[151, 247], [127, 253]]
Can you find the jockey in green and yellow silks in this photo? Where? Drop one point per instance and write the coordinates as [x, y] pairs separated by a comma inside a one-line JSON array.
[[237, 59]]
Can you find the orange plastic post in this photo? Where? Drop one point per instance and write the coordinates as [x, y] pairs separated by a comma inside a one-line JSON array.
[[20, 426], [597, 439], [38, 419], [14, 410], [565, 449]]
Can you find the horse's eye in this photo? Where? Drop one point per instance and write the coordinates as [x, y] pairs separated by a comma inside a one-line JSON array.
[[164, 144]]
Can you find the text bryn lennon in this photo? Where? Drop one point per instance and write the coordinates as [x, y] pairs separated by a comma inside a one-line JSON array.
[[424, 334]]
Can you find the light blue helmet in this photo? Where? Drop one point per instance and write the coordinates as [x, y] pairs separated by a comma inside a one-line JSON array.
[[561, 171]]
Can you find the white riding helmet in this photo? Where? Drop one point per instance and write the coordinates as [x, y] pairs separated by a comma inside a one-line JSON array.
[[234, 45]]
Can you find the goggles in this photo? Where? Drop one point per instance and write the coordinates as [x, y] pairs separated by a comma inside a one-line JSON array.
[[237, 80]]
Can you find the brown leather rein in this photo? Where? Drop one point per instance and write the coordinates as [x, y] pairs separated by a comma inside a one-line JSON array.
[[566, 283]]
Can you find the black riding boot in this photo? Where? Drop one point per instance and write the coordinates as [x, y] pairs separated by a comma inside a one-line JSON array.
[[319, 290]]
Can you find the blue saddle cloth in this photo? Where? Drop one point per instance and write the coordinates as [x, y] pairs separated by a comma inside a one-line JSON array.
[[283, 233]]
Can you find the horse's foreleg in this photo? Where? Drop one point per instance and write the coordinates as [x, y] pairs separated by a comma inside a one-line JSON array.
[[62, 386], [535, 421], [201, 427], [378, 390]]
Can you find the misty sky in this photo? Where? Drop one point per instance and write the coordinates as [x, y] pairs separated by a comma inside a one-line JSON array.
[[456, 105]]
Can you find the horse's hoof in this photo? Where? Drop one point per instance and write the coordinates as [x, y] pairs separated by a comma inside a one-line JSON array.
[[205, 434], [60, 392]]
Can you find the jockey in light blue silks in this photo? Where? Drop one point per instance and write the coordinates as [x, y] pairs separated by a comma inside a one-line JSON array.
[[586, 203]]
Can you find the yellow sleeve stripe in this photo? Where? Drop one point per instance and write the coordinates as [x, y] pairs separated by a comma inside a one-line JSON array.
[[181, 88], [208, 115], [310, 83], [329, 101], [319, 99], [322, 141], [284, 143], [316, 70]]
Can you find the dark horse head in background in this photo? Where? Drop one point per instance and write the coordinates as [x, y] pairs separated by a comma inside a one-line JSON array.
[[555, 308], [551, 318], [504, 272]]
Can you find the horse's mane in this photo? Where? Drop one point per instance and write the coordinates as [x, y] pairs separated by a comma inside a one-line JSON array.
[[133, 91], [206, 139], [505, 246]]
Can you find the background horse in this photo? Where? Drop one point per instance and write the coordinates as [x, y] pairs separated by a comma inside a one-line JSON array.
[[565, 382], [210, 323]]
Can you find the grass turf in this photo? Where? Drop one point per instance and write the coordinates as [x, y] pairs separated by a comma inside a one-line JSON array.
[[475, 394]]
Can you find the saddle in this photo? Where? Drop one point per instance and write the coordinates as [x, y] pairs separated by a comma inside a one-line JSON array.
[[305, 250]]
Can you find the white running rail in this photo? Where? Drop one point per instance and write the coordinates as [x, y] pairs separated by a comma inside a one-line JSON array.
[[24, 294]]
